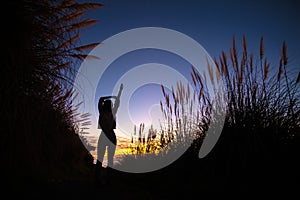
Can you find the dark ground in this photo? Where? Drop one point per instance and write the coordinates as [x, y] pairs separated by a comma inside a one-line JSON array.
[[177, 181]]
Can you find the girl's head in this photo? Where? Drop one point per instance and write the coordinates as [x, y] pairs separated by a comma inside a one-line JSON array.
[[107, 106]]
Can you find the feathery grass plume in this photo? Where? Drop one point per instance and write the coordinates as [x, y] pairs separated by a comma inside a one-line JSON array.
[[244, 44], [204, 76], [163, 90], [173, 94], [266, 69], [217, 65], [230, 56], [241, 71], [224, 63], [134, 131], [161, 106], [193, 79], [86, 47], [167, 100], [261, 56], [279, 70], [210, 73], [287, 81], [188, 93], [69, 17], [84, 6], [284, 55], [198, 78], [261, 48], [69, 42], [62, 66], [84, 56], [251, 63], [83, 24], [217, 71], [298, 78]]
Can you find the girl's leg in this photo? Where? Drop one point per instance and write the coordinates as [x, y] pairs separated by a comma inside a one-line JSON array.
[[111, 149], [110, 160], [100, 154], [101, 147]]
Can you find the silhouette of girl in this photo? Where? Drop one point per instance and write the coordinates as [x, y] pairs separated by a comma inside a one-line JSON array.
[[107, 122]]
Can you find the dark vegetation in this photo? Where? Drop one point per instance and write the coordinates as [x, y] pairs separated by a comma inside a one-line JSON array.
[[39, 139]]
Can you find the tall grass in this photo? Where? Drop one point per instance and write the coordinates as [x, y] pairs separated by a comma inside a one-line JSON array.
[[42, 51], [260, 136], [262, 110], [178, 129], [143, 142], [260, 98]]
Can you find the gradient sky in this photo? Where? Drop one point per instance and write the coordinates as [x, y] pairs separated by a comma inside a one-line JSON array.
[[212, 23]]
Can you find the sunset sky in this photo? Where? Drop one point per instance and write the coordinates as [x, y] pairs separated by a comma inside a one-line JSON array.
[[212, 23]]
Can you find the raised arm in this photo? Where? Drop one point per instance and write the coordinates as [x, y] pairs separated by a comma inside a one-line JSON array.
[[117, 102]]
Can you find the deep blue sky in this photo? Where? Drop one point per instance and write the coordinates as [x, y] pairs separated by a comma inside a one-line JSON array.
[[212, 23]]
